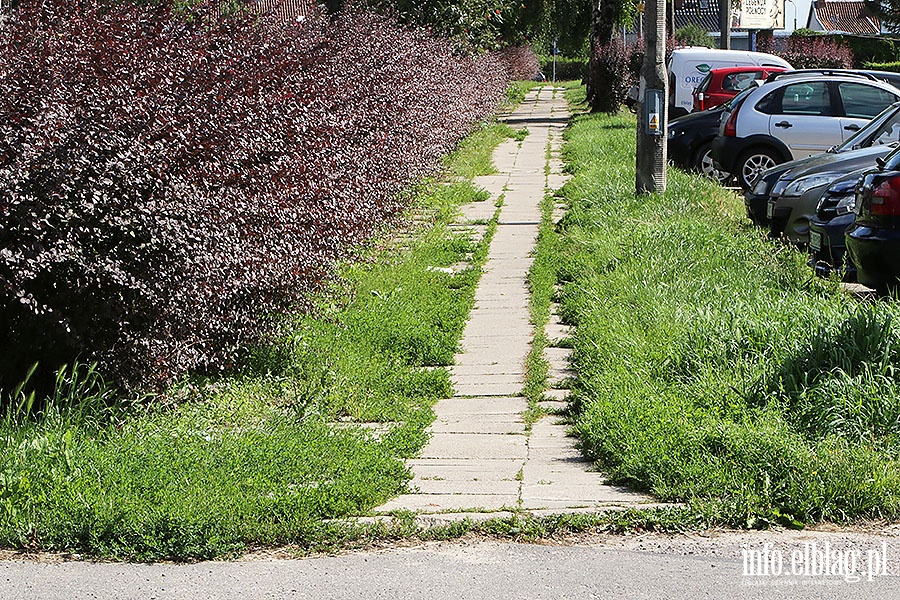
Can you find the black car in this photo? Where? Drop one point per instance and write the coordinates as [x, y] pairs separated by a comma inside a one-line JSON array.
[[873, 241], [690, 138], [886, 76], [834, 214], [756, 199]]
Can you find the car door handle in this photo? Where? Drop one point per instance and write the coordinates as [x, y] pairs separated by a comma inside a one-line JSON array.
[[852, 127], [784, 125]]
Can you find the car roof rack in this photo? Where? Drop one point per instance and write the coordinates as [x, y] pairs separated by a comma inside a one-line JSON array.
[[824, 72]]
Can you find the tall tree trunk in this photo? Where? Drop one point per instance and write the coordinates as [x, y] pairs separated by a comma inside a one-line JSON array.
[[604, 15]]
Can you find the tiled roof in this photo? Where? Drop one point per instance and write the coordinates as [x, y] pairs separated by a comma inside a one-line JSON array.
[[847, 16], [288, 10], [704, 13]]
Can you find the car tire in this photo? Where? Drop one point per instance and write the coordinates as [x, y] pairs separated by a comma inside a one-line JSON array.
[[703, 163], [752, 163]]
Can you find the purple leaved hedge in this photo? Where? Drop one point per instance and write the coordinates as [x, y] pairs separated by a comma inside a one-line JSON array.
[[172, 181]]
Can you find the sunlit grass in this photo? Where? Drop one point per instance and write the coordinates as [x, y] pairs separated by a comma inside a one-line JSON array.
[[713, 367], [317, 426]]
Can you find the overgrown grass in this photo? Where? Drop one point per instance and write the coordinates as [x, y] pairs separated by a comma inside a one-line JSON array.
[[541, 285], [713, 367], [317, 429], [517, 91], [473, 157]]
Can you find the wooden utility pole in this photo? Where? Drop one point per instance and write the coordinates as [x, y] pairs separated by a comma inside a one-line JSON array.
[[652, 103]]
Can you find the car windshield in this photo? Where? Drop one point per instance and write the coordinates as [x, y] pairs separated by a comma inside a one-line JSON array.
[[884, 128], [892, 160]]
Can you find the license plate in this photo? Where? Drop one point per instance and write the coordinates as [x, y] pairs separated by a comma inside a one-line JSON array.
[[815, 240], [770, 208]]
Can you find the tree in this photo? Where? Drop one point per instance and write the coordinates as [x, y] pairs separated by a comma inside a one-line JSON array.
[[567, 22], [888, 11], [472, 24], [605, 14], [694, 35]]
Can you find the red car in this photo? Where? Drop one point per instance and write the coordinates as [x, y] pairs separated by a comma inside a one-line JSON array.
[[721, 85]]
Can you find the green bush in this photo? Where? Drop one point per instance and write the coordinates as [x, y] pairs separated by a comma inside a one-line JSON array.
[[567, 69], [869, 49], [885, 66], [694, 35]]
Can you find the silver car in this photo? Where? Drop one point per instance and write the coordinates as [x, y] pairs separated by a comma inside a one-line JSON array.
[[796, 115]]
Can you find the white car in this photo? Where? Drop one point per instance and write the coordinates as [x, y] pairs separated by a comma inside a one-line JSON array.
[[795, 115], [688, 66]]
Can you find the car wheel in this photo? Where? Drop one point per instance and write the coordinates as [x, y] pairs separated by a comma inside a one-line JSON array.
[[752, 163], [703, 162]]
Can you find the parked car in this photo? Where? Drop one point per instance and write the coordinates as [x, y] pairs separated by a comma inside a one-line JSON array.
[[794, 116], [756, 199], [793, 200], [688, 66], [887, 76], [790, 211], [690, 139], [834, 215], [873, 241], [721, 85], [882, 130]]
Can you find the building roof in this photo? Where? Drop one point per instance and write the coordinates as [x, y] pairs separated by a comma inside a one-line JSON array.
[[289, 10], [844, 16], [704, 13]]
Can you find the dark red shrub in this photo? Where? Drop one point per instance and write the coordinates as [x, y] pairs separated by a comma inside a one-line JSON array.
[[610, 76], [170, 181], [521, 62], [811, 52], [613, 69]]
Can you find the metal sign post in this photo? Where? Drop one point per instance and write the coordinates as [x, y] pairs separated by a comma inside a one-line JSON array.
[[555, 52]]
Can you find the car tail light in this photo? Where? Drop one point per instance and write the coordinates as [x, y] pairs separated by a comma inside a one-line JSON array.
[[731, 124], [886, 198]]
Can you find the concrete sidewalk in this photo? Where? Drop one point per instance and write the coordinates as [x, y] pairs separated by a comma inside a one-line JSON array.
[[481, 461]]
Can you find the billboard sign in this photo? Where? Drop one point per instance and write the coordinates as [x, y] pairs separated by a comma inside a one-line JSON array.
[[758, 14]]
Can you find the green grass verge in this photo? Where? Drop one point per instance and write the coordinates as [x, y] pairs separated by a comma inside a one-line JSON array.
[[318, 428], [713, 367], [542, 286], [517, 91]]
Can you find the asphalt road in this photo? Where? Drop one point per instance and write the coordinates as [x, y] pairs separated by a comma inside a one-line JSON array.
[[634, 567]]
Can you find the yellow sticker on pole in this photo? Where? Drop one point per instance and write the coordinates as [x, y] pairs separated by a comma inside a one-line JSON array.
[[654, 122]]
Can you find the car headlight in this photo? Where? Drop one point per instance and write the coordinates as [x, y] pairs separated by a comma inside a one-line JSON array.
[[801, 185], [780, 184], [761, 187], [846, 205]]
